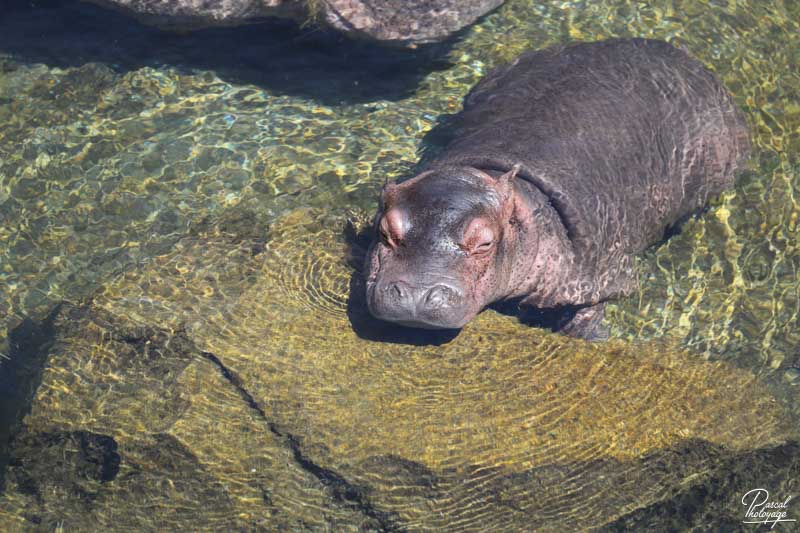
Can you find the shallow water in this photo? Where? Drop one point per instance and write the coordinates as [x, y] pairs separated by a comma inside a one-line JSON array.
[[187, 199]]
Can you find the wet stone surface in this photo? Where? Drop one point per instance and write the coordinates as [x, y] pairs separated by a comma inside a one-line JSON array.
[[243, 395]]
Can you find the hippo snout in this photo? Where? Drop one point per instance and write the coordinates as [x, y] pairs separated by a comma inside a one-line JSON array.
[[432, 307]]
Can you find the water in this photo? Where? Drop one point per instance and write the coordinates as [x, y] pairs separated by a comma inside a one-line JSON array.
[[193, 203]]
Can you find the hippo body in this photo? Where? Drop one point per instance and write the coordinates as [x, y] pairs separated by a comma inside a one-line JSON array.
[[565, 164]]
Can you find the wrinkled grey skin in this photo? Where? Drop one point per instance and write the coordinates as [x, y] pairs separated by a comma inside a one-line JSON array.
[[576, 159]]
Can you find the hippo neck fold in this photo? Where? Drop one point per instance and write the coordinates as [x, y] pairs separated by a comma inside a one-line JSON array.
[[539, 231]]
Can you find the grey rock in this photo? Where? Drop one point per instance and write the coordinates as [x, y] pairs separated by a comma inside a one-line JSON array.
[[395, 22]]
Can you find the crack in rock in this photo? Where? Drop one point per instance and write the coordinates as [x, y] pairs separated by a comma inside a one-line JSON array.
[[341, 489]]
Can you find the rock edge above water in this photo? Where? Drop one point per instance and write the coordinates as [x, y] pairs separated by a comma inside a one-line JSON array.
[[405, 23]]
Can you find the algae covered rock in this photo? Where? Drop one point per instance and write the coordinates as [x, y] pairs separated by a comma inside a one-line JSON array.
[[397, 22], [227, 385], [172, 444]]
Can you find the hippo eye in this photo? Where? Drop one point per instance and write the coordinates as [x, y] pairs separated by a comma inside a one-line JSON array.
[[483, 247], [479, 237]]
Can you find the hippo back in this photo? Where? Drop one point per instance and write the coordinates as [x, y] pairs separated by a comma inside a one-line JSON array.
[[625, 137]]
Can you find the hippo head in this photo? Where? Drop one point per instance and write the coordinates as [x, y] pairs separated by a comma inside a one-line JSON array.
[[441, 250]]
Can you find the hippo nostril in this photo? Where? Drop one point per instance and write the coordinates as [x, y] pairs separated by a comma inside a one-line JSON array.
[[440, 296], [397, 290]]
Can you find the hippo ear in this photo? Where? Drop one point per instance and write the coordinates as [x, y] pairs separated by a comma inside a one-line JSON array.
[[391, 190], [504, 181], [504, 185]]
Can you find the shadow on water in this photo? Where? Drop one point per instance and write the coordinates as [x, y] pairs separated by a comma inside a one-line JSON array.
[[363, 323], [277, 55], [21, 376], [550, 319]]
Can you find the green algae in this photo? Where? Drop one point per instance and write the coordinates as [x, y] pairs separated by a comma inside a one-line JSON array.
[[193, 222]]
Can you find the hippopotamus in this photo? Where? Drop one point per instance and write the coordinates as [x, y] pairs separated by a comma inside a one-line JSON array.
[[563, 166]]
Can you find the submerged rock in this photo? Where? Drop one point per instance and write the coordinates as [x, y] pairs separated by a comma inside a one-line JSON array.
[[218, 388], [397, 22]]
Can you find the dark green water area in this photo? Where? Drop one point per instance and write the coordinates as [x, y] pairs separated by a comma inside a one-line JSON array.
[[183, 342]]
